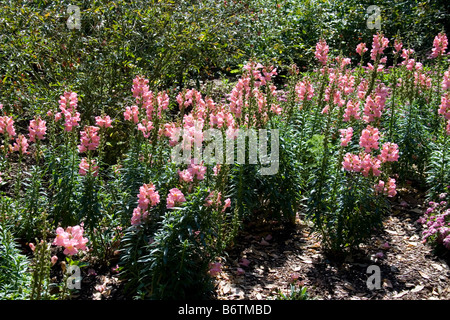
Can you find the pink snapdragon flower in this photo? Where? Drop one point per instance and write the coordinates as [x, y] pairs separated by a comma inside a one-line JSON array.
[[146, 126], [71, 239], [445, 84], [304, 90], [37, 129], [21, 144], [7, 126], [351, 162], [370, 163], [321, 52], [440, 44], [361, 48], [397, 46], [103, 122], [369, 139], [85, 167], [444, 107], [346, 136], [89, 139], [389, 152], [379, 43], [68, 105], [148, 196], [351, 111], [175, 197], [131, 114]]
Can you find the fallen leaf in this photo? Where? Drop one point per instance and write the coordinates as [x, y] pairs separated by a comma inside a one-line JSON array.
[[424, 275], [297, 268], [349, 286], [306, 260], [387, 283], [437, 266], [417, 288], [401, 294]]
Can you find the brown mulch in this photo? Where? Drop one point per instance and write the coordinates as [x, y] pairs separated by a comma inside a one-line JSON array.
[[410, 270]]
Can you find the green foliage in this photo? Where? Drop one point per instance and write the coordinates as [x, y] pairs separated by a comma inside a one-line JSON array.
[[14, 276]]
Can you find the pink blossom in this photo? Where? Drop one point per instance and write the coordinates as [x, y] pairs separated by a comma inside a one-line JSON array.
[[351, 162], [145, 127], [369, 139], [379, 43], [361, 48], [351, 111], [397, 46], [440, 44], [370, 163], [54, 259], [71, 239], [444, 107], [103, 122], [346, 136], [131, 114], [37, 129], [389, 152], [89, 139], [304, 90], [148, 196], [85, 167], [321, 52], [21, 144], [7, 125], [175, 197]]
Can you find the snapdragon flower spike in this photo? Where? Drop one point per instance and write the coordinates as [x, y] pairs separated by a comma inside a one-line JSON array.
[[131, 114], [85, 167], [444, 107], [369, 139], [321, 52], [89, 139], [71, 239], [445, 84], [103, 122], [304, 90], [175, 197], [346, 136], [21, 144], [361, 49], [67, 104], [351, 111], [7, 126], [440, 44], [389, 152], [379, 43], [147, 197], [37, 129]]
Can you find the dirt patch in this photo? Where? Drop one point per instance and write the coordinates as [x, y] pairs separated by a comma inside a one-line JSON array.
[[409, 269]]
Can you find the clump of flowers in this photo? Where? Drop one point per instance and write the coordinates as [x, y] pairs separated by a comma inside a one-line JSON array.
[[147, 197], [68, 106], [175, 197], [71, 239], [85, 167], [436, 222], [37, 129], [89, 139]]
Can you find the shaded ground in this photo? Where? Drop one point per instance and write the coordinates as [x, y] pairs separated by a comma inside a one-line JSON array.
[[408, 268]]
